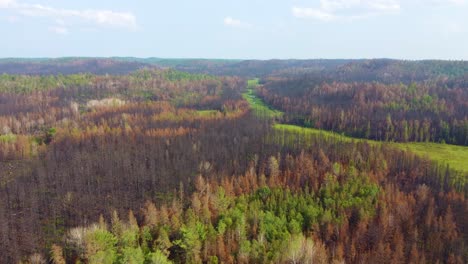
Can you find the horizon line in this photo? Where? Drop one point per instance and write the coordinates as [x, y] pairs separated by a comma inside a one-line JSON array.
[[227, 59]]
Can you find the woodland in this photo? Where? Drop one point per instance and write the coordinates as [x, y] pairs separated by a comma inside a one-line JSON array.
[[189, 161]]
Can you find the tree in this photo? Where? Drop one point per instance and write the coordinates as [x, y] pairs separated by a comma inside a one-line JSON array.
[[151, 214], [57, 255], [300, 250], [163, 243], [158, 258], [273, 168], [101, 246]]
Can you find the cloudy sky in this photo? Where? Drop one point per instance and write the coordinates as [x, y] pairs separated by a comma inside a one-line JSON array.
[[243, 29]]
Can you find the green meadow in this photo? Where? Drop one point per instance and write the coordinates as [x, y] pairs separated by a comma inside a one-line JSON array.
[[455, 156], [207, 112], [258, 105]]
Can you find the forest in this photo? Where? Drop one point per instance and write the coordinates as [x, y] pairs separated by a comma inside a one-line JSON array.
[[435, 112], [189, 161]]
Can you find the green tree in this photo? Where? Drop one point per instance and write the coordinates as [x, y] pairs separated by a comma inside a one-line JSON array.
[[157, 257], [131, 255], [101, 247]]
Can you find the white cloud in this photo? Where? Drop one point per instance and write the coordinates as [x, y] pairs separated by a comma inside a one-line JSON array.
[[231, 22], [455, 2], [438, 3], [329, 10], [312, 13], [6, 3], [107, 18], [61, 30], [100, 17], [384, 5]]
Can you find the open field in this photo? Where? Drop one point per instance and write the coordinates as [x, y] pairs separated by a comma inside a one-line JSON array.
[[207, 112], [455, 156]]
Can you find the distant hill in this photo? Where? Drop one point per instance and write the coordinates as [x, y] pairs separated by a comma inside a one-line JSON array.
[[388, 71], [244, 68], [123, 65], [69, 66], [381, 70]]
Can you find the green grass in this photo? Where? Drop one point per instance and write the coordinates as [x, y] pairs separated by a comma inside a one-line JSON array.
[[455, 156], [258, 105], [311, 131], [207, 112]]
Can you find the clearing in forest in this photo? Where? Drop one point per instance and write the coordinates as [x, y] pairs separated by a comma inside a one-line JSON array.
[[456, 157]]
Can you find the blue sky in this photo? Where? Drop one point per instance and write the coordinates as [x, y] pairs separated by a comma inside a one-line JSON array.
[[241, 29]]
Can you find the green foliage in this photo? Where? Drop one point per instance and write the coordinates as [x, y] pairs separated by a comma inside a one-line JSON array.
[[174, 75], [356, 193], [193, 235], [8, 138], [27, 84], [132, 255], [157, 257], [101, 246], [163, 243], [213, 260], [263, 193], [281, 218], [130, 238], [49, 135], [275, 228], [171, 75]]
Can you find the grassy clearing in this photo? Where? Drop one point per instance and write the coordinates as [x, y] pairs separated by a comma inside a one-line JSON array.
[[258, 106], [311, 131], [207, 113], [455, 156]]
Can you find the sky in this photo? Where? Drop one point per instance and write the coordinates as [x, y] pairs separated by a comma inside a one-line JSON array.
[[236, 29]]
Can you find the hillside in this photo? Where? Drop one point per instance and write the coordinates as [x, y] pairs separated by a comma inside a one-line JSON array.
[[382, 70], [164, 166]]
